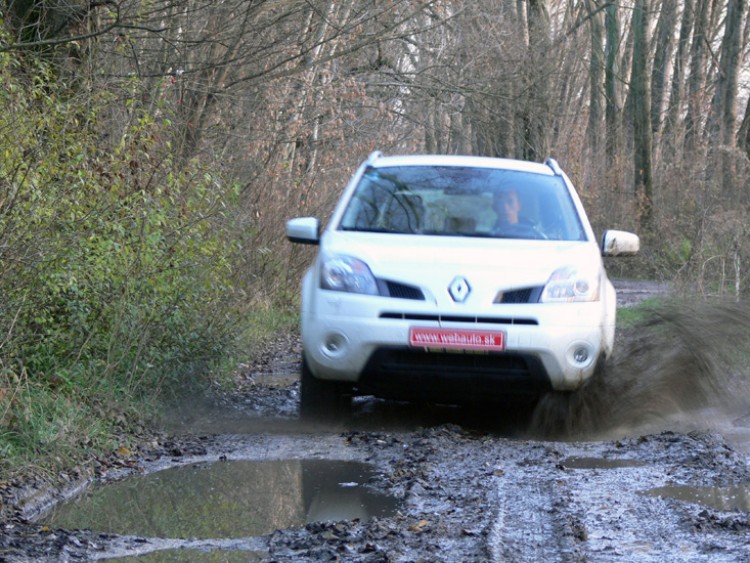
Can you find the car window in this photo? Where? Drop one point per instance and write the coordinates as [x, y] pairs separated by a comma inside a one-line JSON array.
[[462, 201]]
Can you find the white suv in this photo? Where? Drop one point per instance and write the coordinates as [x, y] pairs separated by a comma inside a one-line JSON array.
[[454, 279]]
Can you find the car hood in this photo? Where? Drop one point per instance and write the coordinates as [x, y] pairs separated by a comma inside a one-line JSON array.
[[488, 265]]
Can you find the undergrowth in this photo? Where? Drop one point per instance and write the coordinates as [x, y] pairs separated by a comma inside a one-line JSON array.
[[117, 269], [48, 425]]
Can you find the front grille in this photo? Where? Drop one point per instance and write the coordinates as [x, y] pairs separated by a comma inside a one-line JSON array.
[[403, 291], [411, 361], [515, 296], [467, 319], [451, 377], [525, 295]]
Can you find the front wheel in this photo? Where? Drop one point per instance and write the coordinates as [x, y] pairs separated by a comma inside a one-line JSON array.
[[323, 400]]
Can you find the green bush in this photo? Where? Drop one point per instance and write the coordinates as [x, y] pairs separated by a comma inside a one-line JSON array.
[[115, 264]]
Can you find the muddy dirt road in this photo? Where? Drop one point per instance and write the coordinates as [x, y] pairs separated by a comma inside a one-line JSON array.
[[654, 471]]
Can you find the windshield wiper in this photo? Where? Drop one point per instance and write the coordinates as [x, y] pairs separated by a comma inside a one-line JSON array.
[[365, 230]]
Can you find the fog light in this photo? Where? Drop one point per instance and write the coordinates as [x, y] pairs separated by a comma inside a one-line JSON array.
[[581, 355], [334, 344]]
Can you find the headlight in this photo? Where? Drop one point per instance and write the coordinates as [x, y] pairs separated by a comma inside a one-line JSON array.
[[344, 273], [571, 284]]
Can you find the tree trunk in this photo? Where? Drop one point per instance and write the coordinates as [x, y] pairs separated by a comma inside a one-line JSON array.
[[613, 109], [696, 79], [641, 117], [663, 45], [723, 111], [537, 111], [596, 68], [743, 137], [672, 127]]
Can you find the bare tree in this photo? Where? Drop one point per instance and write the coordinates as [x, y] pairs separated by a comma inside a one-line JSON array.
[[642, 130], [612, 80], [696, 107], [672, 129], [537, 88], [596, 73], [662, 48], [722, 120], [287, 96], [43, 24], [743, 135]]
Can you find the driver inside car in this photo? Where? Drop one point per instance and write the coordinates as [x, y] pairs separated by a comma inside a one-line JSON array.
[[510, 222], [507, 207]]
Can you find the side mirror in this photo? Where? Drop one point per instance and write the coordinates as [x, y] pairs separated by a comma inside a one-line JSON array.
[[620, 243], [304, 230]]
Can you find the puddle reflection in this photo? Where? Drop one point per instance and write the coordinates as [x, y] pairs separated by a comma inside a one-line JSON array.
[[735, 498], [600, 463], [191, 556], [227, 499]]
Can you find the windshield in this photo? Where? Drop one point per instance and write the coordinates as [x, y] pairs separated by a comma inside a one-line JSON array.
[[463, 201]]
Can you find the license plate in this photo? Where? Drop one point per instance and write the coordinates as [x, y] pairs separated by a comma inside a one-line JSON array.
[[456, 339]]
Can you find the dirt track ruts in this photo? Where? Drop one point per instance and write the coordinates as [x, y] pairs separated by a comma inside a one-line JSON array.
[[473, 486]]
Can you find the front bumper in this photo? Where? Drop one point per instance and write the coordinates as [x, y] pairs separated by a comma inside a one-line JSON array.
[[359, 339]]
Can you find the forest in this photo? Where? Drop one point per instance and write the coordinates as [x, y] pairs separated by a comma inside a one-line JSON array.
[[152, 151]]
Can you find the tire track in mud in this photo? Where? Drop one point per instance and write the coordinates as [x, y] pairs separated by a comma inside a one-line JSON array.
[[534, 519], [476, 494], [525, 527], [592, 501]]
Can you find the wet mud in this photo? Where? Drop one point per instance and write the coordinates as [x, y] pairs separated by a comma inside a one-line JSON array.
[[647, 462]]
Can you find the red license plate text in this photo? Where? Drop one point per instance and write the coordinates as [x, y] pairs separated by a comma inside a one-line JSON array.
[[456, 339]]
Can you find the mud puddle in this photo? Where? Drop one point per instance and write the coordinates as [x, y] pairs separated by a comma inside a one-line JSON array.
[[599, 463], [726, 499], [183, 555], [228, 499], [637, 465]]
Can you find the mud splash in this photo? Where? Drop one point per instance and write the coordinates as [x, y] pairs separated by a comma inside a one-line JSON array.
[[682, 358]]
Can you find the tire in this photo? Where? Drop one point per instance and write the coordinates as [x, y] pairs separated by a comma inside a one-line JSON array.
[[322, 400]]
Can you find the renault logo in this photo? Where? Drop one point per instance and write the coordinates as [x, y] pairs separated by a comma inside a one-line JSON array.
[[459, 289]]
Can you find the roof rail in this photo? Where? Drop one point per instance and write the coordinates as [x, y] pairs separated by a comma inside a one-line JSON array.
[[374, 155], [552, 163]]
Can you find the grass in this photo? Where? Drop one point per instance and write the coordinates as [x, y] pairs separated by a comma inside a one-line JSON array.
[[630, 317], [48, 429], [47, 426]]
